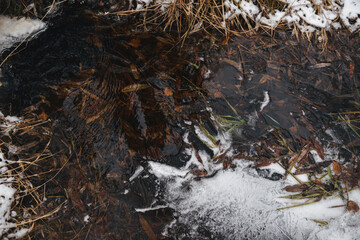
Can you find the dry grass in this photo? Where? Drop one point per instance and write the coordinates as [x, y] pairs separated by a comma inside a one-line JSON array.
[[31, 166], [28, 8], [186, 17]]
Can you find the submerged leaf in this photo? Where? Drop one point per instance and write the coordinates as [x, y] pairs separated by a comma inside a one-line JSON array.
[[336, 167], [135, 42], [319, 149], [168, 92], [352, 206], [351, 70], [134, 87], [296, 188], [147, 228], [322, 223]]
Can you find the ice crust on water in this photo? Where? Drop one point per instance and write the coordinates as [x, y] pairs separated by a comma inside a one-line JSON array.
[[237, 203], [13, 30], [266, 100]]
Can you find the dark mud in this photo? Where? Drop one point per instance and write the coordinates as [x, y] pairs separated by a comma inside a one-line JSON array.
[[118, 98]]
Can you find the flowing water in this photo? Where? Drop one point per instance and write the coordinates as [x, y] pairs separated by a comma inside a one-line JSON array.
[[121, 98]]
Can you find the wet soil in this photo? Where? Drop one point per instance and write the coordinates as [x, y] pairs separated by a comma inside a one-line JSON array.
[[118, 98]]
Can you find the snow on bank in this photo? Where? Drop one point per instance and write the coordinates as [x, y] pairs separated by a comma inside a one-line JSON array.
[[13, 30], [306, 15], [6, 197], [238, 203], [7, 191]]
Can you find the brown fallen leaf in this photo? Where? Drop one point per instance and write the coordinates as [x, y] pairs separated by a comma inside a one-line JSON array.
[[134, 42], [220, 157], [99, 114], [217, 94], [87, 72], [296, 188], [43, 116], [265, 78], [178, 109], [233, 63], [168, 92], [336, 167], [134, 87], [352, 206], [225, 164], [132, 152], [318, 182], [135, 71], [263, 164], [320, 65], [197, 155], [147, 228], [319, 149], [312, 168], [198, 172], [297, 158], [351, 70]]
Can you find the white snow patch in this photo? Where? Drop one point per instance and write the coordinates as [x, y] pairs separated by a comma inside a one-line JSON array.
[[207, 74], [6, 199], [238, 203], [274, 168], [86, 218], [331, 133], [137, 172], [13, 30], [345, 227], [316, 156], [19, 233], [350, 12], [162, 170], [266, 100], [252, 119], [235, 203], [8, 123]]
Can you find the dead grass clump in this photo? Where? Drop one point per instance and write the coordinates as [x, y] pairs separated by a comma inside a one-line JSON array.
[[28, 8], [31, 167], [240, 16], [187, 17]]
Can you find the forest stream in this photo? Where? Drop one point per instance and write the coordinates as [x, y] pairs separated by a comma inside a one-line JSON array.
[[146, 137]]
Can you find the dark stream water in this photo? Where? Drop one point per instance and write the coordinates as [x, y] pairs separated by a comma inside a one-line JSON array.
[[119, 98]]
